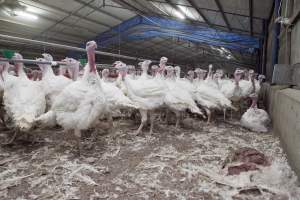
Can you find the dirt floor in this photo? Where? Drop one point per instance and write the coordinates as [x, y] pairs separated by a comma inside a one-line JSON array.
[[170, 164]]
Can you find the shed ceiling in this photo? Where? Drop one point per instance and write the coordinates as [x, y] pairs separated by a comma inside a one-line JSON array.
[[73, 22]]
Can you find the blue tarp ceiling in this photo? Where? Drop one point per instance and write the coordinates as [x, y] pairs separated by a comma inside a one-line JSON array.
[[143, 28]]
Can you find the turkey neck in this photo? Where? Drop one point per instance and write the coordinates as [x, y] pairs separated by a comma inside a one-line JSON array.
[[91, 60], [260, 81], [190, 78], [254, 102], [20, 70], [122, 75], [249, 78], [200, 76], [48, 72], [171, 76], [237, 80], [105, 78], [216, 79], [75, 71], [161, 68], [4, 71], [253, 85], [210, 74], [177, 74], [144, 72]]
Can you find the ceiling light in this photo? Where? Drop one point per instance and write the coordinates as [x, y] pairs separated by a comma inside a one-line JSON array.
[[32, 9], [166, 8], [26, 15], [186, 11], [178, 14]]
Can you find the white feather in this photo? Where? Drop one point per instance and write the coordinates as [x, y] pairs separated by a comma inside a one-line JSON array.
[[256, 120], [24, 100]]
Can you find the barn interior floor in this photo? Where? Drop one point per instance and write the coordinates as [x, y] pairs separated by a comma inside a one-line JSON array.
[[169, 164]]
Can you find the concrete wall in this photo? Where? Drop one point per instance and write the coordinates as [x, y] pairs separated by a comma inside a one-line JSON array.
[[295, 50], [284, 110], [284, 103]]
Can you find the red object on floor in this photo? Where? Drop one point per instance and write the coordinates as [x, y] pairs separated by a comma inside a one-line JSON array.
[[250, 159]]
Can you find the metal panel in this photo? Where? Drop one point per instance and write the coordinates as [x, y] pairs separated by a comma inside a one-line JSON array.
[[40, 9], [257, 26], [296, 74], [214, 17], [103, 17], [68, 5], [207, 4], [239, 22], [220, 6], [236, 6], [282, 74], [262, 8], [286, 74]]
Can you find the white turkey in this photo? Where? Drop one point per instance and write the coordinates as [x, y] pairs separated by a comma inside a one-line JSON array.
[[131, 72], [162, 64], [24, 100], [154, 69], [177, 98], [72, 67], [63, 70], [258, 83], [209, 92], [36, 75], [2, 110], [1, 79], [211, 79], [246, 83], [146, 93], [117, 101], [114, 96], [190, 84], [81, 103], [232, 89], [52, 84], [254, 118], [190, 75]]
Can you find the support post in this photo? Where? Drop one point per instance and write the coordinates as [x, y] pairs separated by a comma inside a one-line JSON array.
[[276, 32], [265, 45]]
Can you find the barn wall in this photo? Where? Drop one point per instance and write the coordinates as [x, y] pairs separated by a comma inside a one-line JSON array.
[[284, 102]]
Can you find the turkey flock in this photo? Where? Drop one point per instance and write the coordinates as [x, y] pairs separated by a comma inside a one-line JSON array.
[[79, 101]]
